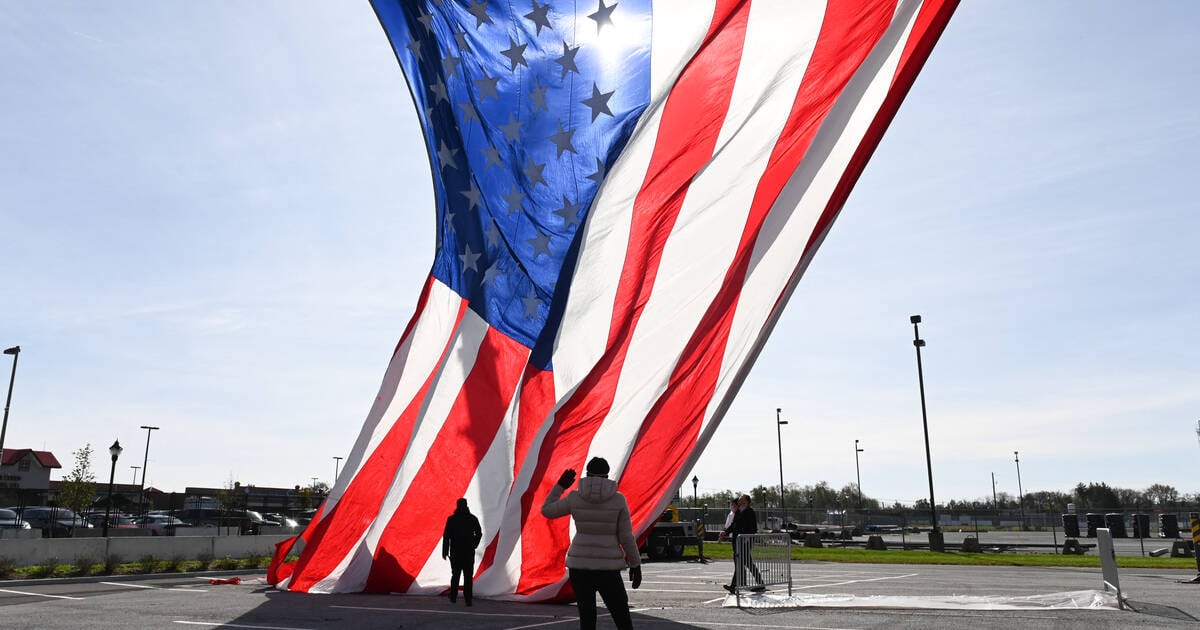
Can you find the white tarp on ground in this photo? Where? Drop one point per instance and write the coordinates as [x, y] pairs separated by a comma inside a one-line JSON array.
[[1089, 599]]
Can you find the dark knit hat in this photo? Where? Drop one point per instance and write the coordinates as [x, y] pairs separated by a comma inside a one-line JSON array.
[[598, 467]]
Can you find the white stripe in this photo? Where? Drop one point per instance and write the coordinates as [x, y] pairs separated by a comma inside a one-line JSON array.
[[801, 202], [713, 217], [679, 27], [444, 391], [5, 590], [410, 365], [224, 624]]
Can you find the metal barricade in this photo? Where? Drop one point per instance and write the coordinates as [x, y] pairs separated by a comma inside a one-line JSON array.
[[762, 560]]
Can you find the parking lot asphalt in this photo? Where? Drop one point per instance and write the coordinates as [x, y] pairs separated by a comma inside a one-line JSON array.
[[673, 595]]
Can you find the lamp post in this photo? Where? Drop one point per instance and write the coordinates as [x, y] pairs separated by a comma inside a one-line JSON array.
[[337, 462], [995, 503], [779, 435], [135, 469], [15, 351], [115, 451], [145, 461], [695, 484], [919, 343], [857, 474], [1020, 491]]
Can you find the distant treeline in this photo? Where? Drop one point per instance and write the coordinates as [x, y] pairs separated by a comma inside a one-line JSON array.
[[1085, 497]]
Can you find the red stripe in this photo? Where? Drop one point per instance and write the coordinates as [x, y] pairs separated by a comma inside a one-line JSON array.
[[931, 21], [412, 534], [692, 118], [668, 436], [329, 540]]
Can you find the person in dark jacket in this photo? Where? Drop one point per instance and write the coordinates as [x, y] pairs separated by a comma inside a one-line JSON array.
[[603, 544], [460, 538], [744, 522]]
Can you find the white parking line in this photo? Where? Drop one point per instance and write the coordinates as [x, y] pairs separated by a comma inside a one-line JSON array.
[[4, 590], [223, 624], [184, 589], [442, 612], [878, 579]]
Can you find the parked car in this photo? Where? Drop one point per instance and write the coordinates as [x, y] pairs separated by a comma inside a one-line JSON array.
[[284, 521], [9, 519], [53, 521], [161, 524], [115, 520]]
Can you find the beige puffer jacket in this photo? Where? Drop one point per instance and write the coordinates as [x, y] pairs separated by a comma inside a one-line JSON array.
[[603, 534]]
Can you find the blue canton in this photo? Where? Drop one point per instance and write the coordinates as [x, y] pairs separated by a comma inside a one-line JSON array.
[[524, 105]]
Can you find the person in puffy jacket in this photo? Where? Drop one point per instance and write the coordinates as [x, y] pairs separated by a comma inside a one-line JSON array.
[[603, 544]]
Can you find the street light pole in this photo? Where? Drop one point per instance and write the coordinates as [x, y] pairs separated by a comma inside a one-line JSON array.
[[1020, 491], [779, 434], [695, 484], [135, 469], [995, 503], [919, 343], [115, 452], [857, 474], [337, 462], [145, 461], [15, 351]]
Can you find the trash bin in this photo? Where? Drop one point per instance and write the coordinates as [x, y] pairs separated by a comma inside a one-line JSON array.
[[1094, 522], [1070, 525], [1141, 525], [1168, 525], [1116, 525]]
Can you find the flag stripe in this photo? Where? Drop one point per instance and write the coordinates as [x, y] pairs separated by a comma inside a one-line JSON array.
[[693, 381], [463, 439], [359, 506], [679, 152]]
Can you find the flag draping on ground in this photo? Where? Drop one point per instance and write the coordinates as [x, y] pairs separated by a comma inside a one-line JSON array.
[[627, 193]]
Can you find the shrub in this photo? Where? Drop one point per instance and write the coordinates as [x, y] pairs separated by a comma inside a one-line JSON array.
[[221, 564], [174, 565], [6, 568], [45, 569], [204, 561], [255, 561], [84, 566], [147, 563], [111, 562]]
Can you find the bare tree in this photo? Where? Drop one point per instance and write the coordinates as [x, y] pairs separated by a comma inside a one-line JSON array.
[[78, 489]]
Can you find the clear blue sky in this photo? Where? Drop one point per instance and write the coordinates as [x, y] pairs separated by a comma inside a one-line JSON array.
[[216, 219]]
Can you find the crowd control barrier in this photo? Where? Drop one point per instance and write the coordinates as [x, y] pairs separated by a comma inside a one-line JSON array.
[[762, 560]]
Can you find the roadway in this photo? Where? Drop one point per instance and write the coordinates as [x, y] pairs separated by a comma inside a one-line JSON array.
[[673, 595]]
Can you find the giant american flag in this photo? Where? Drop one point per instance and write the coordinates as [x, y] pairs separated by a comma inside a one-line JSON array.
[[627, 193]]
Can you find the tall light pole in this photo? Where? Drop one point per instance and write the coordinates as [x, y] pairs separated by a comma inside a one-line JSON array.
[[995, 503], [857, 474], [1020, 491], [695, 484], [115, 452], [135, 469], [919, 343], [15, 351], [145, 460], [779, 434], [337, 462]]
